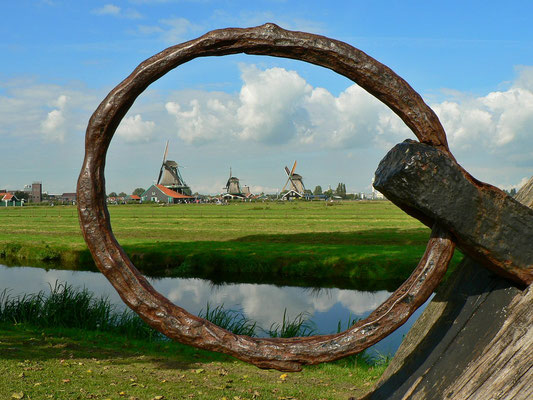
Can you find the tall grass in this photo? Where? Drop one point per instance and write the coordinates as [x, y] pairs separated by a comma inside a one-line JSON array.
[[351, 322], [299, 326], [231, 320], [70, 307]]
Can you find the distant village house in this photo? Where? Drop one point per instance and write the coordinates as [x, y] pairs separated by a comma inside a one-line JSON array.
[[9, 199], [161, 194], [133, 198], [69, 198]]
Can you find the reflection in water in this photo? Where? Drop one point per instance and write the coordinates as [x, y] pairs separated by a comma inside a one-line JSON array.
[[264, 304]]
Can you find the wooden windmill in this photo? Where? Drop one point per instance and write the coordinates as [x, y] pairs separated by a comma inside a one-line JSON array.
[[296, 188], [170, 177], [233, 187]]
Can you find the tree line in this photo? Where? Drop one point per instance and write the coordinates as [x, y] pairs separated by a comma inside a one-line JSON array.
[[339, 192]]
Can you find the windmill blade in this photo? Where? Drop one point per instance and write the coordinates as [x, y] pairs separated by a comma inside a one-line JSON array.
[[165, 153], [287, 171], [293, 184], [293, 167], [160, 173], [285, 184]]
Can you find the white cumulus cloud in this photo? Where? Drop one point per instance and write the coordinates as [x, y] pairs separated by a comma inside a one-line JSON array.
[[499, 122], [53, 127], [204, 119], [134, 130], [271, 104], [277, 107]]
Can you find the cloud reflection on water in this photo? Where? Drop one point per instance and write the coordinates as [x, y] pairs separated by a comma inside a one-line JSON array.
[[264, 304]]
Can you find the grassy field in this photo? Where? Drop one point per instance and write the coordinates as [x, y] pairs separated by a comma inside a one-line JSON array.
[[353, 244], [68, 364], [348, 244]]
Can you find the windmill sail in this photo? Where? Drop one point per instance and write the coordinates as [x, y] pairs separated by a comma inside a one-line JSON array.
[[296, 181], [162, 168]]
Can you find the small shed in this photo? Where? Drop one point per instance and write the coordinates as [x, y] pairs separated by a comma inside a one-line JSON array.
[[133, 198]]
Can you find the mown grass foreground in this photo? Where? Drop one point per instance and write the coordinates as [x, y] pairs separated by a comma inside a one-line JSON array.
[[348, 244], [73, 364], [67, 344]]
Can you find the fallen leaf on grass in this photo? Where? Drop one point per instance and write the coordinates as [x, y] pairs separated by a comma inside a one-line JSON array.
[[222, 387], [283, 376], [17, 396]]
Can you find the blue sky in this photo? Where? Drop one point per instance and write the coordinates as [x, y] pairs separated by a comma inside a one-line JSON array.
[[471, 61]]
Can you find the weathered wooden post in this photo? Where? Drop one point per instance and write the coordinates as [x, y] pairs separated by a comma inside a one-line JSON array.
[[475, 339]]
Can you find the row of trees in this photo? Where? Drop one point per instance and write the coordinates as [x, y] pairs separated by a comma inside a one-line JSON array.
[[340, 191], [137, 192]]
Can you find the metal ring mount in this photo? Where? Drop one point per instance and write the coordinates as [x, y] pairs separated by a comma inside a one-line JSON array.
[[177, 323]]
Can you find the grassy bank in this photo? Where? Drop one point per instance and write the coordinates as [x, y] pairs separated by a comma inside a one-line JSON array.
[[66, 364], [93, 353], [346, 244]]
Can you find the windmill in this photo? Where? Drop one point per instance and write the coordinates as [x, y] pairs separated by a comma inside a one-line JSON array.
[[170, 177], [233, 187], [296, 188]]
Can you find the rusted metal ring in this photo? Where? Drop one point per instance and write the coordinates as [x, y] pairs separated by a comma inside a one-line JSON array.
[[175, 322]]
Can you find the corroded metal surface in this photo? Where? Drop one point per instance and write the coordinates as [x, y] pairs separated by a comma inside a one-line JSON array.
[[178, 324], [488, 225]]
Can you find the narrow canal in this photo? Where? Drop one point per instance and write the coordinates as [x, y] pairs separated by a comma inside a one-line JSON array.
[[265, 304]]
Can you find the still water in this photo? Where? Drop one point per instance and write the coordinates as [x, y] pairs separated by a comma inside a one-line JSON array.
[[264, 304]]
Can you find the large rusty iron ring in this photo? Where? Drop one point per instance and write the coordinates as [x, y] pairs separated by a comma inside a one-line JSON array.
[[176, 323]]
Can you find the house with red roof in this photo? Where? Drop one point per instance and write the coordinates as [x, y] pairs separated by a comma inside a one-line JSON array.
[[161, 194], [133, 198], [8, 199]]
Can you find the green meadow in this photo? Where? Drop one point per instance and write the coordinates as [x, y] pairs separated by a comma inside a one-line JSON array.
[[361, 245], [68, 345]]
